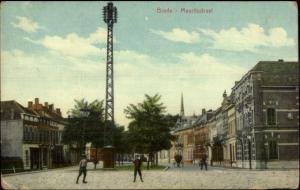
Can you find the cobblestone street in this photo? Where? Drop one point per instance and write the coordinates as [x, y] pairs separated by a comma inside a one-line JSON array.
[[189, 177]]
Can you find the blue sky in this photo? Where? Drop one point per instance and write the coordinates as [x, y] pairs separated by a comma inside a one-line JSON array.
[[56, 50]]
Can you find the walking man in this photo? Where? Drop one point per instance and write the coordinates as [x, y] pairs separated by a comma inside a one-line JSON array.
[[137, 168], [82, 169], [203, 161]]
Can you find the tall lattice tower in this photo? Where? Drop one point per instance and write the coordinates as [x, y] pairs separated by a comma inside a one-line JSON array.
[[109, 17]]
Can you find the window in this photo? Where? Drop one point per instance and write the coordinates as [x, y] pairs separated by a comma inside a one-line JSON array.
[[41, 136], [57, 137], [33, 134], [273, 153], [271, 116], [29, 132], [25, 133]]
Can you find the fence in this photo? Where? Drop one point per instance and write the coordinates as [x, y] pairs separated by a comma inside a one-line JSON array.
[[12, 170]]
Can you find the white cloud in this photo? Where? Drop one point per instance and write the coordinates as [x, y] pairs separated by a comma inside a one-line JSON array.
[[248, 38], [99, 36], [71, 45], [61, 79], [27, 25], [201, 77], [279, 37], [178, 35], [74, 45]]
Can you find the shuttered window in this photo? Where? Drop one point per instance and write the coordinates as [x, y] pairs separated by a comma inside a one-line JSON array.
[[271, 120]]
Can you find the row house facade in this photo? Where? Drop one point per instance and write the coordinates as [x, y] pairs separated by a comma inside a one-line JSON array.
[[256, 126], [267, 115], [33, 133], [185, 143], [201, 136]]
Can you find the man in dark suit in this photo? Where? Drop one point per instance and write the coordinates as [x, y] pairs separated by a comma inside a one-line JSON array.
[[203, 161], [137, 168]]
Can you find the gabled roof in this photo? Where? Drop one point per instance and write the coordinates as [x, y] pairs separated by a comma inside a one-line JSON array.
[[45, 112], [278, 73], [7, 107]]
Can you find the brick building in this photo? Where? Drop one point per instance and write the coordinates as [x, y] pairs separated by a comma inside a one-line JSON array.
[[267, 115], [32, 133], [256, 126]]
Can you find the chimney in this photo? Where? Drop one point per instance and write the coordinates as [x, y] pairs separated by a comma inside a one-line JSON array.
[[30, 104], [203, 111], [51, 107], [58, 111], [46, 105], [36, 101]]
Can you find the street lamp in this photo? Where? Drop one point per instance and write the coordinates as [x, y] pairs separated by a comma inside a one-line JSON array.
[[242, 146], [84, 112], [265, 156]]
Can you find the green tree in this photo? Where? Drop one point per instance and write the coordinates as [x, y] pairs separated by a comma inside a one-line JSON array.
[[82, 129], [92, 128], [149, 129]]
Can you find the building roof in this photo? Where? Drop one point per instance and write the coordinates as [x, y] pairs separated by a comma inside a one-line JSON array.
[[12, 110], [45, 112], [186, 122], [278, 73], [274, 73]]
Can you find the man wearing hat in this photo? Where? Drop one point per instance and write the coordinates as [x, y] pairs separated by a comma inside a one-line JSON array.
[[82, 168]]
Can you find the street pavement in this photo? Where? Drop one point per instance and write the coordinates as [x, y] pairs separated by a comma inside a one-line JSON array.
[[188, 177]]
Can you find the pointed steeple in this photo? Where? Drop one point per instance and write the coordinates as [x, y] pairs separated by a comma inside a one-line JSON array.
[[224, 94], [225, 98], [182, 106]]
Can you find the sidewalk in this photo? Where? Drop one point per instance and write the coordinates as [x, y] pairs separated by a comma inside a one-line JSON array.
[[188, 177]]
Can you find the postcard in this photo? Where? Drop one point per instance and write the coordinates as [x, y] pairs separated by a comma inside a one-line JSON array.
[[149, 95]]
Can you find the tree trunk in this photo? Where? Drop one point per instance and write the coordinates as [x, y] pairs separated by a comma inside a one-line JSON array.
[[96, 158], [151, 158], [148, 161], [122, 158], [156, 161]]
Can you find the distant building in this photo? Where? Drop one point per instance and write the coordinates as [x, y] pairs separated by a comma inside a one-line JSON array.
[[33, 133], [185, 135], [231, 136], [256, 126], [212, 135], [201, 135]]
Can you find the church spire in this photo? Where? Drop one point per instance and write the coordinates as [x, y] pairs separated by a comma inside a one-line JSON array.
[[182, 107]]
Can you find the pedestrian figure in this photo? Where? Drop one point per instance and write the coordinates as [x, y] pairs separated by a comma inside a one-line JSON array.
[[203, 161], [137, 168], [82, 169]]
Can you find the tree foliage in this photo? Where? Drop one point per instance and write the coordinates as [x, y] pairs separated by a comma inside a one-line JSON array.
[[149, 129], [83, 129], [92, 128]]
